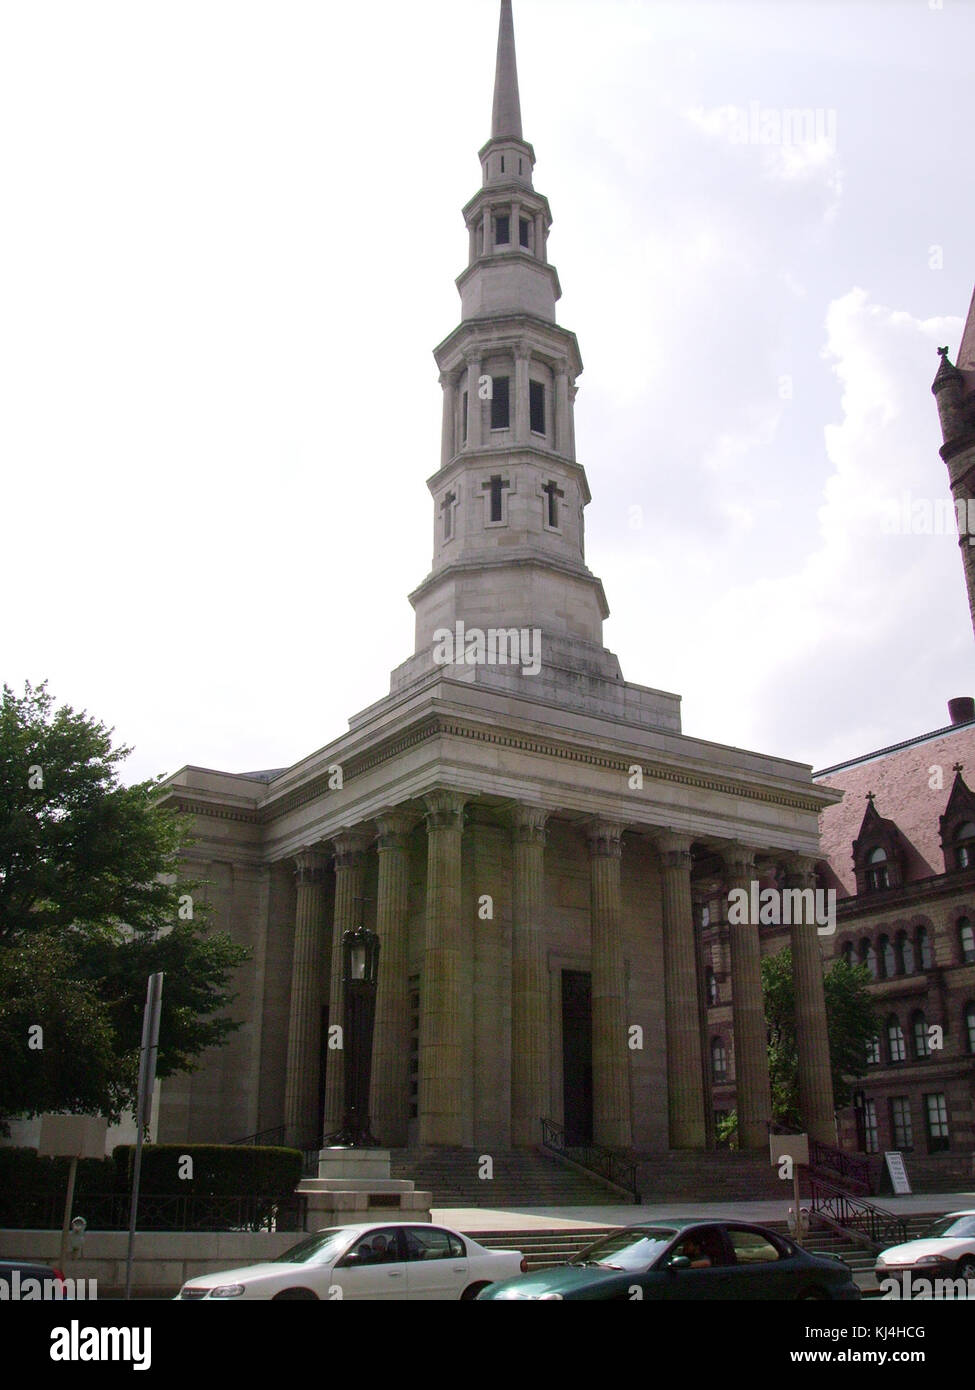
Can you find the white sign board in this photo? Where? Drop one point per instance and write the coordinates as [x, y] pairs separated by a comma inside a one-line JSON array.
[[794, 1146], [72, 1136], [898, 1173]]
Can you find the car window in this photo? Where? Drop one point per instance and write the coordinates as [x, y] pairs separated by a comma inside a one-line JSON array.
[[702, 1247], [321, 1248], [951, 1227], [432, 1243], [636, 1247], [380, 1246], [752, 1247]]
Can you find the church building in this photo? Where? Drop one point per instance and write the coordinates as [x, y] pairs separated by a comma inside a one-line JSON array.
[[530, 835]]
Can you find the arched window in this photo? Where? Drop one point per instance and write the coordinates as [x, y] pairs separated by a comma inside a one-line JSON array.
[[905, 950], [924, 949], [877, 875], [719, 1060], [895, 1040], [887, 962], [711, 986], [868, 957], [966, 940], [970, 1026], [919, 1029], [873, 1053], [965, 845]]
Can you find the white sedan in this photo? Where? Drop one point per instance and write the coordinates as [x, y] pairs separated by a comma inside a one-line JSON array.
[[397, 1260], [946, 1250]]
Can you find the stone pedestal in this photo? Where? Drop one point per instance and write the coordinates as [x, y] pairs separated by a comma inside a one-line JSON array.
[[354, 1185]]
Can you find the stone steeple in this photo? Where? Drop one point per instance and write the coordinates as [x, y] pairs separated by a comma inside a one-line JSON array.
[[954, 391], [509, 496]]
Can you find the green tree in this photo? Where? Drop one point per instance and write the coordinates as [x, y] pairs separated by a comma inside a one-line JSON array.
[[91, 903], [851, 1023]]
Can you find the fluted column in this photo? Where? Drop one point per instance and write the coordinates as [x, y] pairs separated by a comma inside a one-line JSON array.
[[449, 432], [610, 1056], [440, 1002], [685, 1098], [562, 412], [529, 979], [302, 1078], [350, 847], [540, 250], [754, 1101], [391, 1040], [812, 1036]]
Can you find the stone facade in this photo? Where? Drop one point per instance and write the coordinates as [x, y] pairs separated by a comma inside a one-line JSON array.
[[526, 831]]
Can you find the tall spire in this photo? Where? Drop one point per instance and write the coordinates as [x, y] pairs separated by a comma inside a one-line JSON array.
[[506, 117]]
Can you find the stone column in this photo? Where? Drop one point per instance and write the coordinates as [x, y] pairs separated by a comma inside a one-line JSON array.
[[440, 1031], [449, 430], [685, 1100], [610, 1055], [754, 1101], [473, 402], [390, 1102], [473, 242], [529, 980], [305, 1023], [350, 847], [515, 226], [573, 392], [562, 412], [812, 1036], [540, 251], [488, 231], [522, 417]]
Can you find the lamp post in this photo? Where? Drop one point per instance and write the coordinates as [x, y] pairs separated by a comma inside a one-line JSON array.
[[360, 971]]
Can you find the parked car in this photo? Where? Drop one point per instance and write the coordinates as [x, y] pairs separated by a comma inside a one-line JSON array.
[[688, 1259], [946, 1250], [397, 1259], [45, 1281]]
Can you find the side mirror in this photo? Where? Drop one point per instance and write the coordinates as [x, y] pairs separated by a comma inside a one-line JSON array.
[[679, 1262]]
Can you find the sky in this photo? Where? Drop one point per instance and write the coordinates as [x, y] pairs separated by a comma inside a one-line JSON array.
[[228, 247]]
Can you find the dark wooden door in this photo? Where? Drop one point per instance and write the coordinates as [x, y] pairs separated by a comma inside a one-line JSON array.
[[577, 1055]]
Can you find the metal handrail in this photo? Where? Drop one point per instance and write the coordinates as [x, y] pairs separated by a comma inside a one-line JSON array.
[[879, 1226], [854, 1169], [603, 1163], [269, 1138]]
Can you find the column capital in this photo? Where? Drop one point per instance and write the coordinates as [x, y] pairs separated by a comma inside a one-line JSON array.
[[445, 810], [446, 379], [528, 824], [393, 829], [604, 837], [523, 352], [674, 849], [739, 859], [473, 356], [349, 847], [310, 865], [801, 868]]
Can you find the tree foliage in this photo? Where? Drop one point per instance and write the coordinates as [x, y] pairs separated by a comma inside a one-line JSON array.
[[91, 904]]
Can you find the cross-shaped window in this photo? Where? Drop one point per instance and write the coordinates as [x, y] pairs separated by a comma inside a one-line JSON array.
[[494, 487], [553, 492]]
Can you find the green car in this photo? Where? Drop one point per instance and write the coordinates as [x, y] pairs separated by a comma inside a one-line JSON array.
[[687, 1259]]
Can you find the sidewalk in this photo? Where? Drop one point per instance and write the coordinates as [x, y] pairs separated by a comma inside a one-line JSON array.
[[469, 1219]]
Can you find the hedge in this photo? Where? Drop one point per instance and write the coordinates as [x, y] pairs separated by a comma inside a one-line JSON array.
[[219, 1170]]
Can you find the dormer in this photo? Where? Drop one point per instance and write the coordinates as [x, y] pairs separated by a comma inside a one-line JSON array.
[[878, 854], [957, 826]]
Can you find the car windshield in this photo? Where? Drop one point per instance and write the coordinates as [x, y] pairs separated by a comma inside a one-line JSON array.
[[320, 1249], [953, 1227], [634, 1248]]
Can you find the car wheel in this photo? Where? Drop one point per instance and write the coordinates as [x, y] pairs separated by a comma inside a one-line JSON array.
[[295, 1293], [472, 1290], [812, 1295], [965, 1268]]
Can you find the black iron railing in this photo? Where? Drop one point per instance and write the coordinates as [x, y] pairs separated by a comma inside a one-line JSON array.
[[852, 1170], [109, 1211], [855, 1215], [603, 1163], [267, 1138]]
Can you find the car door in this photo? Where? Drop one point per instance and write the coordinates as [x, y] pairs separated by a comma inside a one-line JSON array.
[[370, 1271], [763, 1268], [698, 1282], [436, 1263]]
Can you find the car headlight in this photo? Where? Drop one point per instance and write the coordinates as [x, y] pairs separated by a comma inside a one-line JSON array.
[[881, 1261], [932, 1260], [227, 1291]]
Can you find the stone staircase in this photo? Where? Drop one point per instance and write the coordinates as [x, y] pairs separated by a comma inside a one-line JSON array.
[[718, 1175], [523, 1178]]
